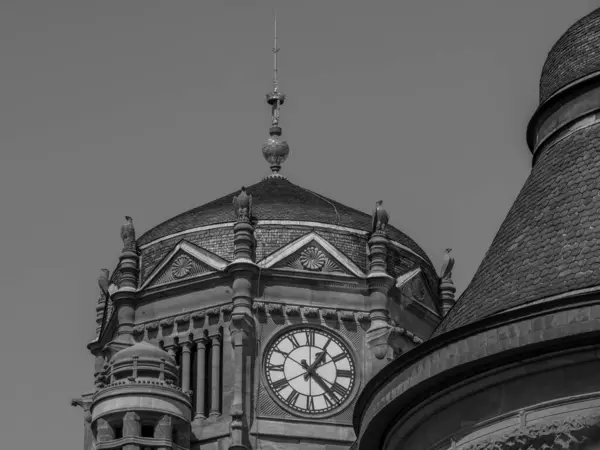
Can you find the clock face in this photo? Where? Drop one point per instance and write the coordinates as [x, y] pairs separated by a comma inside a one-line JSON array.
[[310, 370]]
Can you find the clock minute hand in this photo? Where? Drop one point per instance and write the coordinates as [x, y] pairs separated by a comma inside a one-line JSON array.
[[321, 383], [306, 367]]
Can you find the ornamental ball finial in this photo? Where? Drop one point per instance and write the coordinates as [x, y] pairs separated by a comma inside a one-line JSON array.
[[275, 150]]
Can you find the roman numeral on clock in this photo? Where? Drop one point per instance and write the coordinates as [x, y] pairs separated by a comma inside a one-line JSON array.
[[281, 352], [280, 384], [291, 399], [343, 373], [328, 400], [339, 357], [310, 338], [340, 390], [310, 404], [278, 367], [294, 341]]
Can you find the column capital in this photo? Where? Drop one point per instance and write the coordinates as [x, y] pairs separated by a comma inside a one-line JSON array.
[[200, 339]]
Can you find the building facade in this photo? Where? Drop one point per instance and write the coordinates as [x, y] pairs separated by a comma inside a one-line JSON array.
[[515, 363], [254, 321]]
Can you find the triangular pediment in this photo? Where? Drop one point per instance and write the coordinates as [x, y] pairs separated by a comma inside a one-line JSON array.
[[312, 253], [413, 289], [185, 261]]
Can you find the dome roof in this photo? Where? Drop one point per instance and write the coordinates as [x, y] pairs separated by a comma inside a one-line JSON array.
[[549, 243], [575, 55], [143, 350], [275, 198]]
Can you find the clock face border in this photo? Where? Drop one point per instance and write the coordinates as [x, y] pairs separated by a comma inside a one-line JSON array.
[[347, 346]]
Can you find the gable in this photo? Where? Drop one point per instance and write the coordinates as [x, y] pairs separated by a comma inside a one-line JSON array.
[[185, 261], [413, 288], [312, 253]]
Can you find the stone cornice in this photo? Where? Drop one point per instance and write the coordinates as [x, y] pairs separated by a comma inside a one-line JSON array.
[[182, 324], [328, 314], [470, 348]]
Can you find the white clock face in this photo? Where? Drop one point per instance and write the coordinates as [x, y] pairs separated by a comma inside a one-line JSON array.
[[310, 370]]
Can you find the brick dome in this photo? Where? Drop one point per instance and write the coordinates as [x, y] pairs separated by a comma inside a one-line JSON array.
[[574, 56], [276, 198]]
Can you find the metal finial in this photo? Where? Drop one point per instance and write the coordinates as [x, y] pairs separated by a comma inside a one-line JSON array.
[[275, 150], [275, 51]]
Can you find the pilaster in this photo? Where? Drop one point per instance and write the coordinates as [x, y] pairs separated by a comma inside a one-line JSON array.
[[379, 283], [243, 271]]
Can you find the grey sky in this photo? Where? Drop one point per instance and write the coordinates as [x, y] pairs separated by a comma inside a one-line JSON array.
[[150, 108]]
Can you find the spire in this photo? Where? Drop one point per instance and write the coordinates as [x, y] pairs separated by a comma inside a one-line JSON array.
[[275, 150]]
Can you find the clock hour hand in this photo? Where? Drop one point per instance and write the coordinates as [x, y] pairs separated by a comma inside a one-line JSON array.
[[305, 366], [318, 360]]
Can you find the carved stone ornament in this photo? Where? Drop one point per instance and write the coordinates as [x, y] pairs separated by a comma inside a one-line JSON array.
[[139, 329], [292, 310], [167, 322], [214, 312], [275, 308], [363, 317], [569, 433], [198, 315], [380, 218], [242, 206], [128, 235], [226, 309], [152, 326], [181, 267], [447, 266], [310, 312], [347, 316], [182, 319], [313, 259], [258, 306], [328, 314]]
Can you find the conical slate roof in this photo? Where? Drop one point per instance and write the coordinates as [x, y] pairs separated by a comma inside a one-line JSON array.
[[549, 243], [574, 56]]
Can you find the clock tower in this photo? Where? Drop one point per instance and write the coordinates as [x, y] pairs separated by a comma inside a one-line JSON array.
[[253, 321]]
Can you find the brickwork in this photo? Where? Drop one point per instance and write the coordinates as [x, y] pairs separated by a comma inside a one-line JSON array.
[[276, 199]]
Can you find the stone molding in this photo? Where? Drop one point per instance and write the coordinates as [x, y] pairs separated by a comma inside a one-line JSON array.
[[182, 324], [470, 348], [324, 226], [280, 309], [563, 434], [199, 263], [300, 255]]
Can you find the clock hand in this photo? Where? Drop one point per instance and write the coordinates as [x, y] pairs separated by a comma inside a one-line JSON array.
[[305, 366], [319, 359], [321, 383]]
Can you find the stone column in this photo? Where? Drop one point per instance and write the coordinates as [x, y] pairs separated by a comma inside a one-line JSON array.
[[379, 284], [186, 354], [124, 299], [201, 375], [105, 431], [215, 401], [131, 428], [243, 270]]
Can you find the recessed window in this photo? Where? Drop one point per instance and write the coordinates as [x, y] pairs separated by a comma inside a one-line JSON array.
[[118, 432], [147, 431]]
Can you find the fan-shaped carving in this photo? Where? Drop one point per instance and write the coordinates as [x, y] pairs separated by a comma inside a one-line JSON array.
[[312, 258]]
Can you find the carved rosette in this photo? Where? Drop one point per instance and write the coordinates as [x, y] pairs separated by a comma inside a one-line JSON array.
[[181, 267], [313, 259]]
